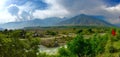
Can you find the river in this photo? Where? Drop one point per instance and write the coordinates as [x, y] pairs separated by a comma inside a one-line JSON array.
[[46, 50]]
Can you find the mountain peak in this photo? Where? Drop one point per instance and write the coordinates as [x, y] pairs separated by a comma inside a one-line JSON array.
[[81, 15], [84, 20]]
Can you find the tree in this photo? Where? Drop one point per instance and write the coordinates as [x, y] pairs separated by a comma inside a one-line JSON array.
[[79, 31], [15, 47], [64, 51], [97, 44], [79, 46], [51, 33], [90, 30], [18, 34]]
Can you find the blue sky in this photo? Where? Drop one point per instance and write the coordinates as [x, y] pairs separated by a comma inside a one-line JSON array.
[[21, 10], [112, 2]]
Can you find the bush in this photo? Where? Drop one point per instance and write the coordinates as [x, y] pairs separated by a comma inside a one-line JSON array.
[[64, 52], [79, 31], [79, 46], [88, 47], [97, 44], [14, 47], [51, 33]]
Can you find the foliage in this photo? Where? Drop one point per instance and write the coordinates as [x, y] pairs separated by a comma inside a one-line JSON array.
[[21, 43], [97, 44], [79, 46], [51, 33], [88, 47], [15, 46]]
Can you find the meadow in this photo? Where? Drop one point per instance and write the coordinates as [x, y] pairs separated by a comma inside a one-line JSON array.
[[70, 41]]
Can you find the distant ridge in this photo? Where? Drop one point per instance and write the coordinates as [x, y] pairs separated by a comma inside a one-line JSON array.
[[32, 23], [84, 20], [1, 29], [79, 20]]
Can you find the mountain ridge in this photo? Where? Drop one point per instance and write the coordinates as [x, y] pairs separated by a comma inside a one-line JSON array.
[[85, 20], [31, 23], [79, 20]]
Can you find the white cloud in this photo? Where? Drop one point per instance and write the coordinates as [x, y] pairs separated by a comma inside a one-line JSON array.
[[69, 8], [2, 4], [114, 8], [66, 8], [94, 7], [6, 17], [54, 10], [114, 13]]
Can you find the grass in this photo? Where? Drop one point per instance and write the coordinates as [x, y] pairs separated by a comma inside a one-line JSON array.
[[117, 44]]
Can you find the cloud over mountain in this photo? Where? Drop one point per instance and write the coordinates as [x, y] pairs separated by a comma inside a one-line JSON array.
[[21, 10]]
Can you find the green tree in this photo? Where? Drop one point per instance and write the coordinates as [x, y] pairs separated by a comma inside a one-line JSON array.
[[79, 46], [64, 52], [98, 44], [79, 31]]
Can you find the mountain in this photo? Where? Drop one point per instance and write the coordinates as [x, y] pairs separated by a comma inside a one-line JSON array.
[[118, 25], [32, 23], [79, 20], [52, 21], [84, 20], [1, 29]]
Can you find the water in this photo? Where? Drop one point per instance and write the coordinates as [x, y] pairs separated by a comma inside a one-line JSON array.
[[46, 50]]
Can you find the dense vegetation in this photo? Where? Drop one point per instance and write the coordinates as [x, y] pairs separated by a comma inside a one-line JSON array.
[[13, 44], [25, 43]]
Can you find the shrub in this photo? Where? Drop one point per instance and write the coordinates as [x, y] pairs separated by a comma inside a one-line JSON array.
[[79, 46]]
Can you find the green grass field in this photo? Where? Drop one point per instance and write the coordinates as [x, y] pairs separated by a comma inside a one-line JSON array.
[[80, 42]]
